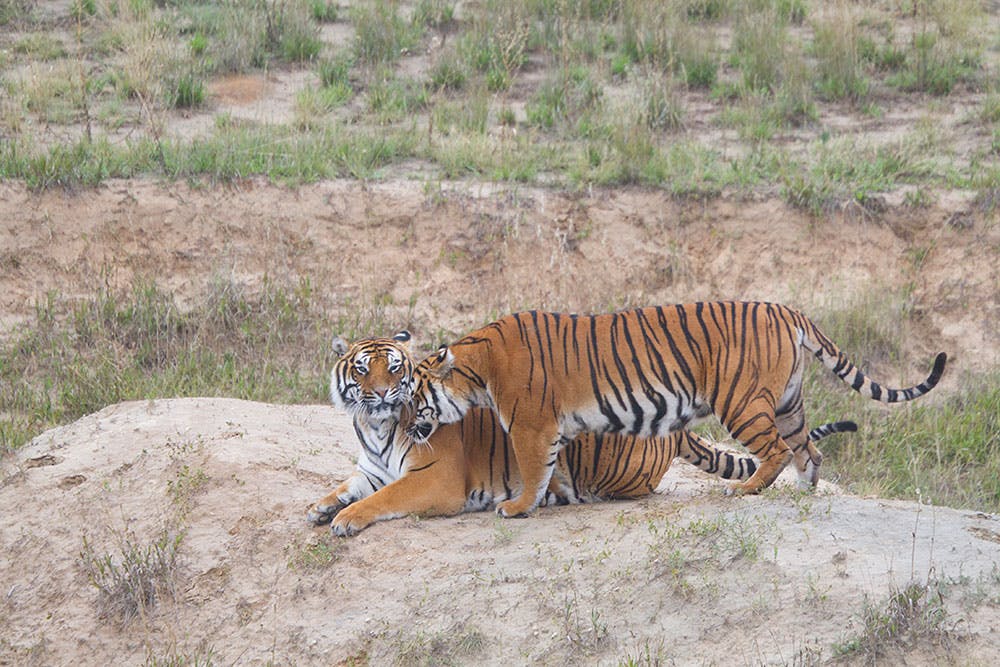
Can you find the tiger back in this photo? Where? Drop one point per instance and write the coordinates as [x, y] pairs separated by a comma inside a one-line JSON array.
[[644, 372]]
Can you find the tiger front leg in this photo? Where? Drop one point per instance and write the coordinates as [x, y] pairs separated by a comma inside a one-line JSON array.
[[350, 490], [536, 453], [437, 490]]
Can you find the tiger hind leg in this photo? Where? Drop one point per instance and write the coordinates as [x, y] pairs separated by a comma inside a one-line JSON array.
[[756, 430], [791, 425]]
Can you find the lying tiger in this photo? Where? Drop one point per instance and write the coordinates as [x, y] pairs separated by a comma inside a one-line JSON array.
[[469, 466], [643, 372]]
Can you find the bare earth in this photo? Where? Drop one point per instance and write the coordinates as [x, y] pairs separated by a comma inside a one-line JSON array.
[[687, 576]]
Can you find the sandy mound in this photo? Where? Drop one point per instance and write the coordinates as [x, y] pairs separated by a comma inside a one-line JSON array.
[[684, 576]]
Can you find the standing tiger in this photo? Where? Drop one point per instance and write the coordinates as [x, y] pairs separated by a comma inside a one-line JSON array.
[[643, 372], [468, 466]]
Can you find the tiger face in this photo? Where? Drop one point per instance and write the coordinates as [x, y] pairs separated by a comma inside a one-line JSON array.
[[373, 376], [435, 403]]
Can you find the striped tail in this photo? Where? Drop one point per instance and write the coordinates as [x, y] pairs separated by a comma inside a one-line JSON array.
[[821, 432], [729, 464], [831, 357]]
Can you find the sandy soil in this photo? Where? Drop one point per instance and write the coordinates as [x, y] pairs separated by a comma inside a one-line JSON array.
[[687, 576], [445, 259], [779, 580]]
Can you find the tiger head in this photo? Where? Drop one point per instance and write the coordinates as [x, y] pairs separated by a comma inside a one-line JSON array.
[[439, 395], [373, 377]]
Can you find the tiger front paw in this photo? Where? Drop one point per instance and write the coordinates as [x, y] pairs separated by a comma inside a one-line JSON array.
[[320, 514], [349, 521], [510, 509]]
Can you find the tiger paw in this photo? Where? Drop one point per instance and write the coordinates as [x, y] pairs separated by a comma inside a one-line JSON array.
[[319, 515], [743, 489], [510, 509], [350, 521]]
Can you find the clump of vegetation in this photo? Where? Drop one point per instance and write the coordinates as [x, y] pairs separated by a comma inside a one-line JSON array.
[[909, 615], [382, 34], [131, 583]]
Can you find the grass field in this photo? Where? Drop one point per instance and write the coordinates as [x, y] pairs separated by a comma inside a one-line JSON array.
[[545, 91]]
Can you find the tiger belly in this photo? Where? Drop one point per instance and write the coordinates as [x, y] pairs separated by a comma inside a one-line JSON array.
[[640, 416]]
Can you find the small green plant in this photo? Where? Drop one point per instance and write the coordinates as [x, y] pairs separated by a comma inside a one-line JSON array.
[[760, 44], [334, 72], [459, 644], [130, 583], [381, 34], [40, 46], [563, 99], [198, 44], [915, 612], [188, 92], [434, 13], [175, 658], [81, 9], [394, 98], [315, 554], [324, 11], [662, 106], [186, 484], [586, 636], [645, 656], [448, 74], [837, 49], [300, 45]]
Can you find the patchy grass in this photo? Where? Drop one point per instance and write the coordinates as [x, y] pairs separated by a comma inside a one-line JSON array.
[[909, 615], [577, 78], [131, 583], [77, 357]]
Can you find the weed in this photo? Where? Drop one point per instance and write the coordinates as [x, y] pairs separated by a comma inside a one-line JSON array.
[[130, 584], [448, 73], [381, 34], [201, 657], [456, 645], [311, 104], [913, 613], [837, 50], [503, 534], [40, 46], [646, 656], [77, 357], [563, 99], [585, 636], [393, 98], [185, 486], [187, 92], [496, 43], [662, 106], [314, 554], [434, 13], [759, 45], [334, 72], [324, 11]]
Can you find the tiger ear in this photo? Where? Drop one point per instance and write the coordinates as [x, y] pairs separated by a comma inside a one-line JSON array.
[[402, 336], [339, 346], [446, 362]]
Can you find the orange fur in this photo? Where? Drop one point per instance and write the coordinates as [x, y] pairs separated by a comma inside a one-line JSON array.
[[644, 372], [470, 465]]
